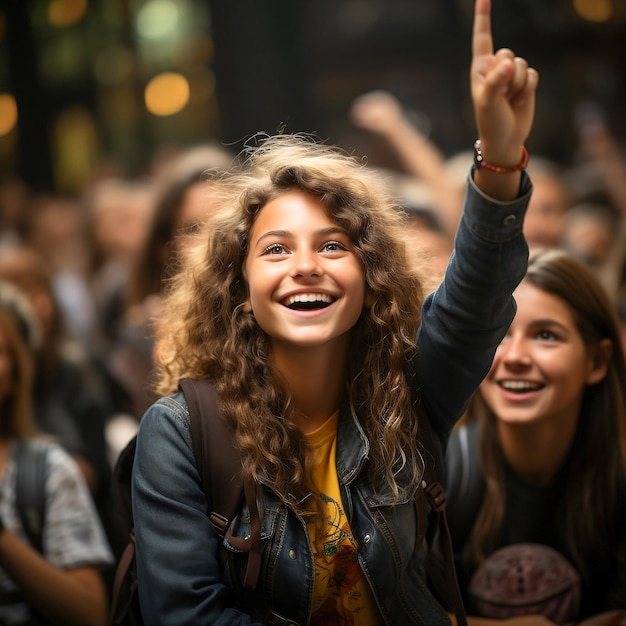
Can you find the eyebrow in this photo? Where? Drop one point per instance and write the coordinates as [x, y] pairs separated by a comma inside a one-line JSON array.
[[286, 234], [548, 321]]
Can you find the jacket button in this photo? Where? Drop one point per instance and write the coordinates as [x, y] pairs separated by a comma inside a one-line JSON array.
[[367, 538], [509, 219], [292, 555]]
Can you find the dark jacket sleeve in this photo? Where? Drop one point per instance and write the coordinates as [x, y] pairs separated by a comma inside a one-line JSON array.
[[465, 319]]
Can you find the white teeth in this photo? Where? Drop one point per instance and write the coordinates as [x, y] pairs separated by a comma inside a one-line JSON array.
[[308, 297], [519, 385]]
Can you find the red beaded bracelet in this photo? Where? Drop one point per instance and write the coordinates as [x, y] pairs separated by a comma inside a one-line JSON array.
[[479, 161]]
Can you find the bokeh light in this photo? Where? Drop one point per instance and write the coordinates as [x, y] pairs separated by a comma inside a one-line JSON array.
[[167, 94], [8, 113], [66, 12], [157, 19], [594, 10]]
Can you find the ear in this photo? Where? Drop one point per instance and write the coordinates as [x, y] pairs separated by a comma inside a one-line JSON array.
[[247, 305], [600, 362]]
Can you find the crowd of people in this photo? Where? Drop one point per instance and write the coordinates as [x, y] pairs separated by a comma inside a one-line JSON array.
[[335, 307]]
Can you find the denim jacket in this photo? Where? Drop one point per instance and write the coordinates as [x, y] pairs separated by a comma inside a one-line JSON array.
[[181, 581]]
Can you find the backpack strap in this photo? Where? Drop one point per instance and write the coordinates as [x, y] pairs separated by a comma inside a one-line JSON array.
[[219, 465], [30, 490], [438, 528], [464, 482], [218, 462]]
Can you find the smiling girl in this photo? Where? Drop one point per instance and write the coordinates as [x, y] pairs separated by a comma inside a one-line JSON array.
[[549, 434], [303, 309]]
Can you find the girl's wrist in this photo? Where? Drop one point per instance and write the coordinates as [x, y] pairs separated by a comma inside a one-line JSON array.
[[502, 165]]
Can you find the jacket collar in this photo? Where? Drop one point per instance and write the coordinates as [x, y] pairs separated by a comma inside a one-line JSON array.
[[352, 445]]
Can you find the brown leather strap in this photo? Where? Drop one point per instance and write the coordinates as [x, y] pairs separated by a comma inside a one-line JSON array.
[[254, 500], [436, 497], [121, 604], [219, 465], [217, 460]]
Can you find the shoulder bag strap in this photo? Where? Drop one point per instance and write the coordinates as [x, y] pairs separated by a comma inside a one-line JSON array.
[[30, 490], [219, 464], [436, 498], [464, 482], [217, 460]]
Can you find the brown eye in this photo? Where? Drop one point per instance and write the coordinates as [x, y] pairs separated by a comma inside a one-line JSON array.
[[274, 248], [333, 246]]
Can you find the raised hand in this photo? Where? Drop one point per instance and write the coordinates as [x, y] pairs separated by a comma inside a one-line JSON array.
[[503, 93], [378, 112]]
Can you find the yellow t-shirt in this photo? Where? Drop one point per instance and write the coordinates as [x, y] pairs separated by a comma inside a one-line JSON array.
[[341, 594]]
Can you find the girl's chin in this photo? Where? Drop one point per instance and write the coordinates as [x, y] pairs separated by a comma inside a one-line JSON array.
[[517, 419]]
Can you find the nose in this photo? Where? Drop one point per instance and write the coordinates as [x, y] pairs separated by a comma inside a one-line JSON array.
[[306, 262], [514, 350]]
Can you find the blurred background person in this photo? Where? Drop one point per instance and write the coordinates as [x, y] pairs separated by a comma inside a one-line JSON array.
[[73, 397], [182, 203], [545, 218], [381, 113], [50, 574], [589, 233], [119, 214], [57, 231]]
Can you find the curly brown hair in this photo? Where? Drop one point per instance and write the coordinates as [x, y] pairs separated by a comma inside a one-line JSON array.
[[205, 332]]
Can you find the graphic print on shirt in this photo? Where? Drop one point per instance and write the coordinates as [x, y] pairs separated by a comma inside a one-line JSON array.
[[341, 593], [337, 572]]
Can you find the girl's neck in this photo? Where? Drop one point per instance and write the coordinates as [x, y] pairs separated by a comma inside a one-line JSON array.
[[316, 379], [536, 452]]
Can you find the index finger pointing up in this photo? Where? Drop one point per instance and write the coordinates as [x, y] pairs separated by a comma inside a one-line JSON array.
[[482, 40]]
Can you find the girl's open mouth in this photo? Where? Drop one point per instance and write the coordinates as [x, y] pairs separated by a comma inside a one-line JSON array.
[[308, 301]]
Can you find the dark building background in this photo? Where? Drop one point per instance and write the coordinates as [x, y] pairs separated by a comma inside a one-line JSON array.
[[78, 71]]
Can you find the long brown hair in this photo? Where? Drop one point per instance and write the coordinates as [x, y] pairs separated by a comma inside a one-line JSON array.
[[207, 334], [595, 483]]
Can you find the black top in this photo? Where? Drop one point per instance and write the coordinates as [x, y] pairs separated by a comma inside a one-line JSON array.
[[532, 515]]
